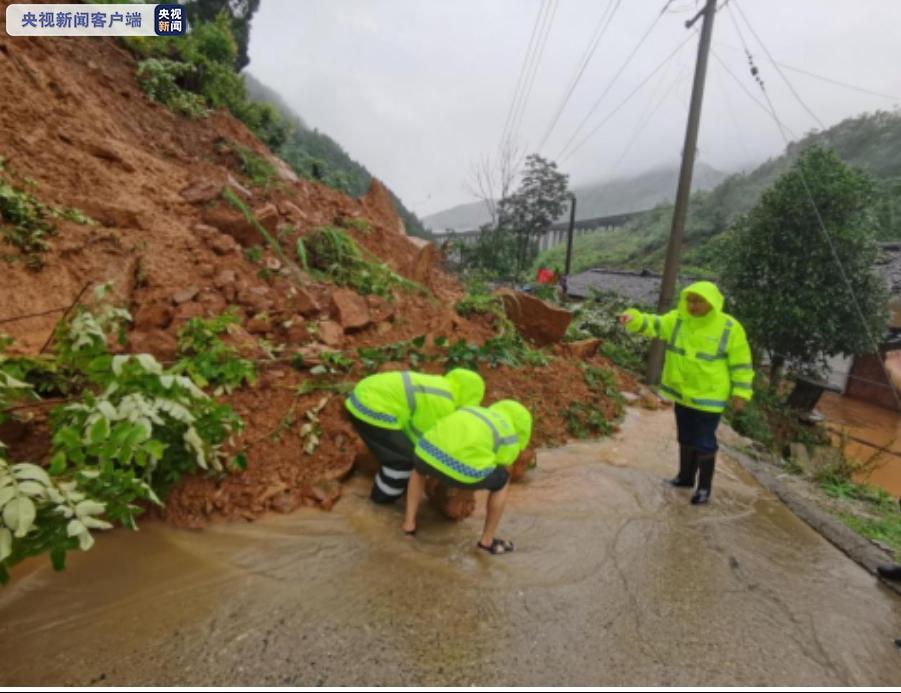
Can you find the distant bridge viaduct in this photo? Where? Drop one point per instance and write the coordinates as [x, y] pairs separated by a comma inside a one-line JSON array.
[[555, 234]]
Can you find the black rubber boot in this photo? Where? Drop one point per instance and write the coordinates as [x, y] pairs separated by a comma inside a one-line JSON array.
[[688, 467], [889, 572], [706, 463]]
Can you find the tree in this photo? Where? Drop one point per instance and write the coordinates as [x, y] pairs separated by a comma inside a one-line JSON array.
[[538, 203], [491, 180], [239, 11], [782, 273]]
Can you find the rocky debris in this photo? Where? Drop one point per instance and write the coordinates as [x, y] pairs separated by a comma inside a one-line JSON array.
[[201, 192], [292, 211], [232, 223], [259, 325], [583, 349], [324, 493], [312, 354], [331, 333], [237, 187], [256, 298], [526, 461], [186, 311], [304, 302], [223, 245], [213, 302], [268, 217], [185, 295], [160, 344], [454, 503], [107, 152], [296, 330], [536, 321], [420, 269], [152, 316], [350, 310], [110, 215], [380, 310], [286, 501]]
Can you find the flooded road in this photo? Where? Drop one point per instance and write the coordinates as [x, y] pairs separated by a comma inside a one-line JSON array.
[[616, 580], [868, 429]]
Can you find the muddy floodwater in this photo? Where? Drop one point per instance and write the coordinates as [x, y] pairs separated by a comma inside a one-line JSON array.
[[872, 437], [616, 580]]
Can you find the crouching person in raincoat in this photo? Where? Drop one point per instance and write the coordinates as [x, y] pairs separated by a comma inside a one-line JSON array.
[[391, 410], [707, 366], [473, 448]]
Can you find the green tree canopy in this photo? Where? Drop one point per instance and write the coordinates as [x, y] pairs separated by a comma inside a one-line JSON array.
[[782, 270], [537, 203]]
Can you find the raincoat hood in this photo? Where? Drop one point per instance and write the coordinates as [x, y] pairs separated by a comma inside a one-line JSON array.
[[709, 292], [519, 416], [467, 387]]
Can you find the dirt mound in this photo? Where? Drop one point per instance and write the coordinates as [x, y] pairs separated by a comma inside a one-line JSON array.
[[174, 249]]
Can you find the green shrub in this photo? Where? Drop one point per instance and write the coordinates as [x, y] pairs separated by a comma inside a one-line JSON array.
[[160, 77], [207, 359]]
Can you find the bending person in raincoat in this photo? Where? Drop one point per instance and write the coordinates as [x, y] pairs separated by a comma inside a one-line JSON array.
[[708, 366], [391, 410], [473, 448]]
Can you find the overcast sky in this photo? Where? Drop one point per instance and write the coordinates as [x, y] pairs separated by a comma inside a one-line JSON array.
[[418, 90]]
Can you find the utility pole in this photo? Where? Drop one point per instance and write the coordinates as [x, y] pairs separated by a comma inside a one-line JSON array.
[[569, 236], [680, 212]]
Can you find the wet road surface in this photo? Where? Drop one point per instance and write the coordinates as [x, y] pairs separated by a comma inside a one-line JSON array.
[[616, 580]]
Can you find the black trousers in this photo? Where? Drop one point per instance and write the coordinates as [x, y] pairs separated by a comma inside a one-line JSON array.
[[697, 429], [493, 482], [394, 451]]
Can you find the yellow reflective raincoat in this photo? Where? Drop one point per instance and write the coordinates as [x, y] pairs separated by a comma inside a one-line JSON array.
[[708, 359], [413, 402], [470, 443]]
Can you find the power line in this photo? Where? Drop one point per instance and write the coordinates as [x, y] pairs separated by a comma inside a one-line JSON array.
[[599, 31], [823, 78], [772, 60], [538, 55], [619, 72], [828, 238], [629, 97], [739, 135], [522, 70], [642, 124], [747, 92]]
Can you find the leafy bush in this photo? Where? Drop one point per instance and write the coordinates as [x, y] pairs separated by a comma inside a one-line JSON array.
[[409, 352], [160, 79], [39, 514], [155, 425], [586, 421], [134, 432], [503, 350], [207, 359], [26, 223], [596, 317]]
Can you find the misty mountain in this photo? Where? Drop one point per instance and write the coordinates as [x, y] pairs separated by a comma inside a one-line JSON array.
[[632, 194]]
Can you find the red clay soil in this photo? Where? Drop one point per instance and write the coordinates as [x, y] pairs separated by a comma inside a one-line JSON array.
[[75, 122]]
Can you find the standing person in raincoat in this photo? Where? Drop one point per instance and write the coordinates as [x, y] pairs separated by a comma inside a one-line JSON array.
[[473, 448], [390, 411], [708, 366]]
